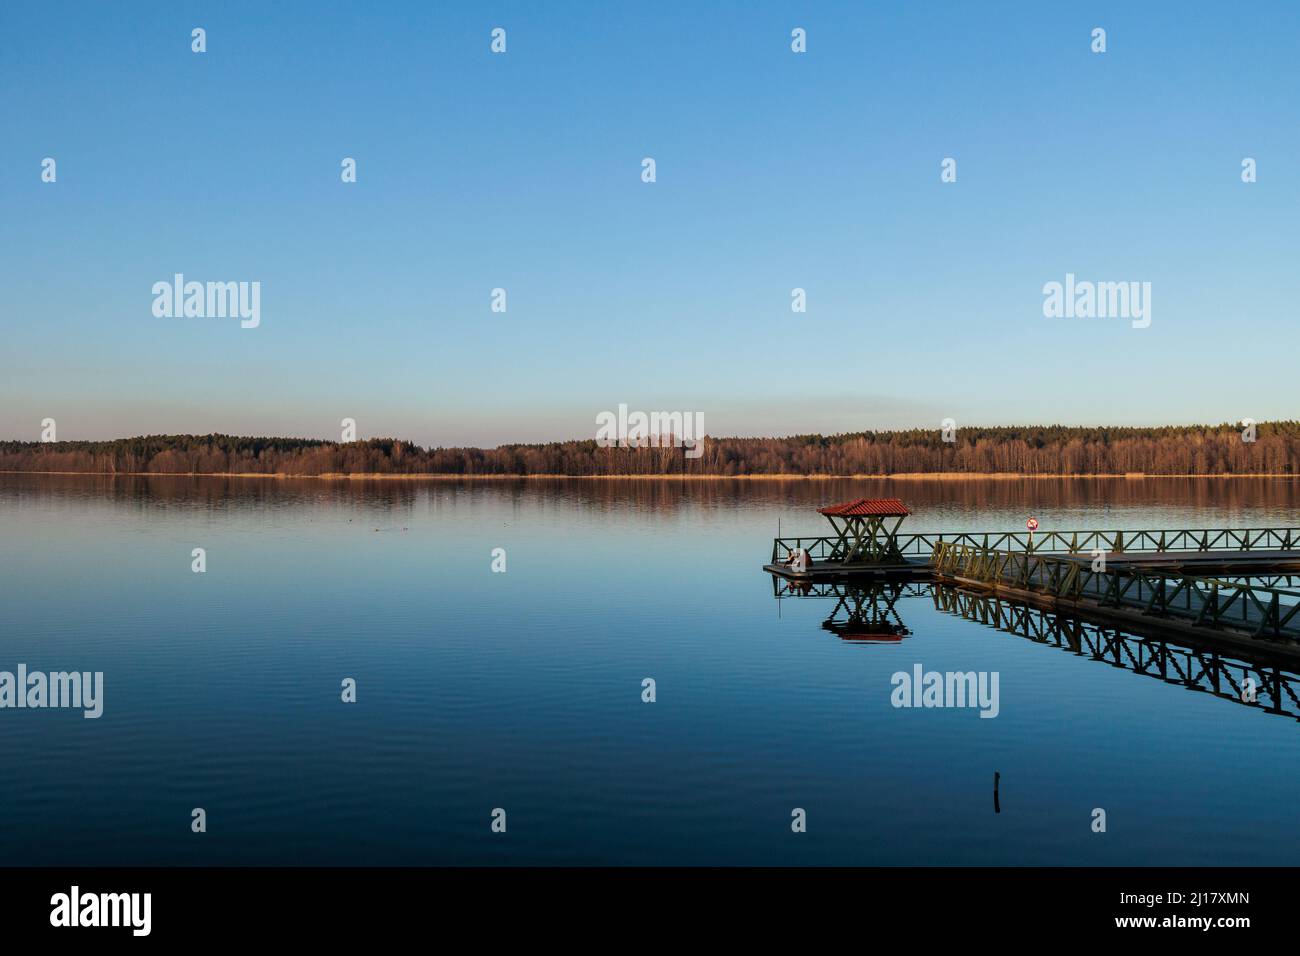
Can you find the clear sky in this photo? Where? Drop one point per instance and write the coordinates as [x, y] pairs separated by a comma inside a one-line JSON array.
[[775, 170]]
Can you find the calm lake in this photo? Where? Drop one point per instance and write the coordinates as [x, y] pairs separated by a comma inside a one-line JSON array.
[[522, 690]]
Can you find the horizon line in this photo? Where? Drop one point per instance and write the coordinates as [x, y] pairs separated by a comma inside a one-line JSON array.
[[1200, 426]]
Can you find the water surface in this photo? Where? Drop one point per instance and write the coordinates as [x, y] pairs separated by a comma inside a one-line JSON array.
[[522, 690]]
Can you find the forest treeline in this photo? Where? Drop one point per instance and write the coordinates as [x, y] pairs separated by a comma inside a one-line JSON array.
[[1051, 450]]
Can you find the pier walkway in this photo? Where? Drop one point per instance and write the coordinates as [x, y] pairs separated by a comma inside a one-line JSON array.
[[1230, 551]]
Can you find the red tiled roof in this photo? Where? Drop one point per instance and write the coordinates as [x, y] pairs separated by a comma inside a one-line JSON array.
[[880, 507]]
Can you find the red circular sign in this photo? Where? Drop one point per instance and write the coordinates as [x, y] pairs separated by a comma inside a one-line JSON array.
[[1032, 524]]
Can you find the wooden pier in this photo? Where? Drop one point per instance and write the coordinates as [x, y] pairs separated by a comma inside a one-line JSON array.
[[1228, 551], [1229, 584]]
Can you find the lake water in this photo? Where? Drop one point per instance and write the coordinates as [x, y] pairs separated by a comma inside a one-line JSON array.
[[523, 690]]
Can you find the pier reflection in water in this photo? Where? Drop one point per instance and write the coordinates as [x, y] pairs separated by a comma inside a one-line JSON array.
[[868, 613], [862, 614]]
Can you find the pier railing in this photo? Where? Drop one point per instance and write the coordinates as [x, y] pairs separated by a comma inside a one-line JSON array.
[[1260, 612], [827, 549]]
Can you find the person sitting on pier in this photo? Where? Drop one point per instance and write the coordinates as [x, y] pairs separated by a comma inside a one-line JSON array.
[[798, 559]]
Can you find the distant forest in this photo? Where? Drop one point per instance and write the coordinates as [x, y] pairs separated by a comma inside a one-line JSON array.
[[1052, 450]]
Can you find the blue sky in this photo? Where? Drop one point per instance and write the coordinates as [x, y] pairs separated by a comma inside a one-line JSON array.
[[522, 171]]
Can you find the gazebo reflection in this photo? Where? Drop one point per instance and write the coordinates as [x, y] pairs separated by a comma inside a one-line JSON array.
[[865, 613]]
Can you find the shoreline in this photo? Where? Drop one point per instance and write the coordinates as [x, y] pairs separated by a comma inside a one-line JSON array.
[[443, 476]]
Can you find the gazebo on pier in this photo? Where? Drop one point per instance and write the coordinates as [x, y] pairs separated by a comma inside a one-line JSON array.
[[866, 529]]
